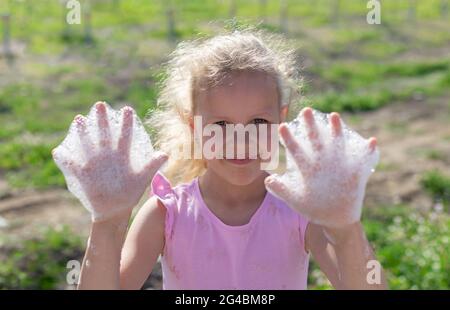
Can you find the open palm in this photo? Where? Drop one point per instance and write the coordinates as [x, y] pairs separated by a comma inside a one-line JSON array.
[[105, 181], [329, 188]]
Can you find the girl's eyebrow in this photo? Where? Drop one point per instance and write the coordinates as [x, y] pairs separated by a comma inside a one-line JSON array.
[[262, 114], [216, 117]]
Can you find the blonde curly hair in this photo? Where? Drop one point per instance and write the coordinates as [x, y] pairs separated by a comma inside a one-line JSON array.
[[201, 64]]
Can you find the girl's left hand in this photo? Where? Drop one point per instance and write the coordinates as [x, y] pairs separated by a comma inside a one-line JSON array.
[[330, 191]]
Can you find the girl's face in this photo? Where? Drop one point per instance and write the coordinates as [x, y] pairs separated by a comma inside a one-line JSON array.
[[242, 98]]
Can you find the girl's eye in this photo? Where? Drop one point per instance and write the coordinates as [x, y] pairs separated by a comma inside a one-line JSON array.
[[260, 121], [221, 123]]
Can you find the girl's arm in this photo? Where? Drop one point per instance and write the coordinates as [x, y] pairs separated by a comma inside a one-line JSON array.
[[110, 187], [100, 269], [332, 177], [343, 255], [109, 263], [143, 245]]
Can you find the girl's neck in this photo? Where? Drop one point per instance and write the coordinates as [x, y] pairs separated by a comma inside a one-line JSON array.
[[219, 189]]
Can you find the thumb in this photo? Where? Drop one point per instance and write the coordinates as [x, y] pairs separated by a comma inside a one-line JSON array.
[[157, 160], [278, 188]]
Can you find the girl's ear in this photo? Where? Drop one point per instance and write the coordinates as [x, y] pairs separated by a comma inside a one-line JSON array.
[[283, 113], [191, 122]]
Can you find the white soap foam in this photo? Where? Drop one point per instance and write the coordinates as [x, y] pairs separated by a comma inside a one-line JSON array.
[[338, 157], [110, 177]]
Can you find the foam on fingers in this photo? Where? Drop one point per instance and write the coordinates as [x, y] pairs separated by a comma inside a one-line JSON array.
[[334, 155], [102, 169]]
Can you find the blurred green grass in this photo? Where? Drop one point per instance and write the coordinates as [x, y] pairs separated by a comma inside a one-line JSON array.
[[412, 246], [437, 185], [39, 263], [358, 66]]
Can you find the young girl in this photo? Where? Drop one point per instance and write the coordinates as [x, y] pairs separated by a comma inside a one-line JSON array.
[[221, 223]]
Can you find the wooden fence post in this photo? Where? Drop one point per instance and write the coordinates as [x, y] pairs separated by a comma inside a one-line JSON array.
[[284, 24], [66, 33], [6, 21], [88, 36], [170, 15], [263, 10], [233, 9], [444, 8], [412, 10], [335, 11]]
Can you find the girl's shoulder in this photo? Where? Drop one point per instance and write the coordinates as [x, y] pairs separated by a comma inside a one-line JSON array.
[[175, 199], [163, 189]]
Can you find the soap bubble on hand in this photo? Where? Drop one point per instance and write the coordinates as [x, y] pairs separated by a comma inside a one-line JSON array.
[[327, 168], [107, 159]]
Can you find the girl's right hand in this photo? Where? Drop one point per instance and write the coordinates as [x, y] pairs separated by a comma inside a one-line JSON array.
[[110, 186], [330, 186]]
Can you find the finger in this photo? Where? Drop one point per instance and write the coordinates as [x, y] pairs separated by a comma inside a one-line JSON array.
[[336, 126], [103, 125], [55, 155], [278, 188], [337, 132], [312, 130], [126, 131], [293, 147], [85, 140], [68, 164], [372, 144], [153, 165]]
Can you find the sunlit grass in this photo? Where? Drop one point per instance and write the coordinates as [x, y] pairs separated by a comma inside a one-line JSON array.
[[39, 263], [437, 185], [412, 247]]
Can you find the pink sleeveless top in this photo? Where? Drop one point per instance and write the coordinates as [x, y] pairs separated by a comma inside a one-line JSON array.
[[202, 252]]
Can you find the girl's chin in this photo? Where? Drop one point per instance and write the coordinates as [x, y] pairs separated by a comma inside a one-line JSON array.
[[242, 174]]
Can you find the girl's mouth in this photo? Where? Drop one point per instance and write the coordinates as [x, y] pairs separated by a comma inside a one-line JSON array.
[[240, 161]]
